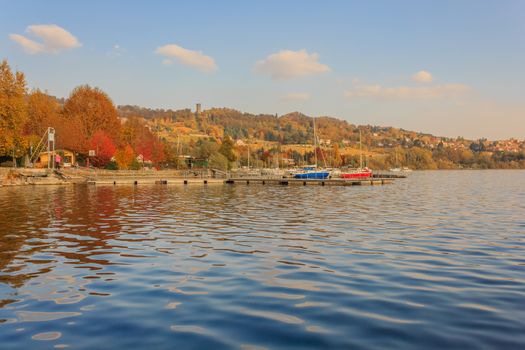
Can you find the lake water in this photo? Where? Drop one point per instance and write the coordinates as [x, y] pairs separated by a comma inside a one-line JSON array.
[[433, 261]]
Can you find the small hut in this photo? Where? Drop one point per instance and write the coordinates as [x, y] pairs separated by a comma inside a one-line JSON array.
[[67, 158]]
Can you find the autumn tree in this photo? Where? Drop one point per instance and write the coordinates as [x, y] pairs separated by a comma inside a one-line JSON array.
[[337, 156], [218, 161], [136, 133], [43, 111], [131, 130], [226, 149], [104, 148], [92, 110], [124, 157], [69, 134], [205, 148], [13, 111]]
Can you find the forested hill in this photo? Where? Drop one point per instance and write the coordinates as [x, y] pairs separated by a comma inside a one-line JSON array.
[[420, 150], [291, 128]]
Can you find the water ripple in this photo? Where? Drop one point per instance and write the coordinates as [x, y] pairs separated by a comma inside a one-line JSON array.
[[431, 262]]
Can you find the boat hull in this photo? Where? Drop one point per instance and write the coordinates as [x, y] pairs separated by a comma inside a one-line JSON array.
[[357, 175], [313, 175]]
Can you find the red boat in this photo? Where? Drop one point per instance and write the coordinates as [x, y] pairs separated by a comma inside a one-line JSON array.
[[357, 173], [360, 172]]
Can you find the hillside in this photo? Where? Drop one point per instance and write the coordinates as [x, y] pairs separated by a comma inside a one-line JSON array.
[[293, 132], [291, 128]]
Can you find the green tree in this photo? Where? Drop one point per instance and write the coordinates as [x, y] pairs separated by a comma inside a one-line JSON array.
[[218, 161], [227, 149], [205, 148]]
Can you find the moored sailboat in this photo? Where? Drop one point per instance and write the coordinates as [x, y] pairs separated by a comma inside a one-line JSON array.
[[360, 172], [311, 172]]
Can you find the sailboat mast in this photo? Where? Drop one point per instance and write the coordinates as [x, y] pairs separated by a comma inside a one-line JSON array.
[[360, 151], [315, 144], [396, 158]]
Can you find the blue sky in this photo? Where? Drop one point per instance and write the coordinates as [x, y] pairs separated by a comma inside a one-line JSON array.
[[452, 68]]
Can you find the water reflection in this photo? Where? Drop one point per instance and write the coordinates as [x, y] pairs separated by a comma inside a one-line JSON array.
[[408, 265]]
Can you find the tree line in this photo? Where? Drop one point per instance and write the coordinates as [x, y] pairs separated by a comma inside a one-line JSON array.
[[86, 120]]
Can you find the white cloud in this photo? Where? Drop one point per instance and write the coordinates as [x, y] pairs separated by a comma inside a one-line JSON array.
[[187, 57], [422, 77], [407, 92], [287, 64], [116, 51], [30, 46], [52, 39], [297, 96]]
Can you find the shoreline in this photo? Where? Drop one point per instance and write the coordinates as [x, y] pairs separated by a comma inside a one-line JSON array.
[[10, 177]]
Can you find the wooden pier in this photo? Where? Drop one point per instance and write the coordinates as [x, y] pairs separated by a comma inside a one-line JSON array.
[[242, 181], [156, 181]]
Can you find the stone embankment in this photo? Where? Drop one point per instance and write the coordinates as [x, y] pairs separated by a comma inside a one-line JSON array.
[[25, 176], [29, 176]]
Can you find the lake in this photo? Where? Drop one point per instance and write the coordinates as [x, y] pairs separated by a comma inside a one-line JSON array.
[[433, 261]]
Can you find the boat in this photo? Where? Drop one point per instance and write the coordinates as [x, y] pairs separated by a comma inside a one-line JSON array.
[[358, 173], [401, 170], [398, 169], [311, 171], [276, 172]]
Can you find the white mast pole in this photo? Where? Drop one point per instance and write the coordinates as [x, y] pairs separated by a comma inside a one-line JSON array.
[[315, 144], [360, 151]]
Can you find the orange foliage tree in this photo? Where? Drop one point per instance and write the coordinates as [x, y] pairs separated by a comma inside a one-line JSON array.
[[135, 133], [91, 110], [43, 111], [13, 111], [124, 157], [337, 160]]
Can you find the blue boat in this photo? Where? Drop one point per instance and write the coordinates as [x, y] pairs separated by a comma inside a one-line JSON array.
[[308, 171], [319, 175]]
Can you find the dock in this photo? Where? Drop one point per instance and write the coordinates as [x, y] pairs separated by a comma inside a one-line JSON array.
[[242, 181], [174, 177]]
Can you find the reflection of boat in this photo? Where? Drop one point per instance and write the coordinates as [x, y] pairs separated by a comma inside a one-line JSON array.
[[360, 172], [357, 173]]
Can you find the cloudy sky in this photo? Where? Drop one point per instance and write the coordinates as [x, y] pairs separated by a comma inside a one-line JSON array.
[[452, 68]]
